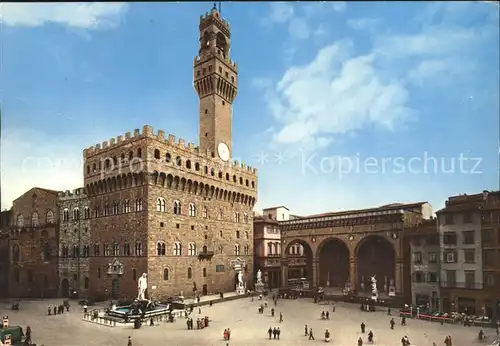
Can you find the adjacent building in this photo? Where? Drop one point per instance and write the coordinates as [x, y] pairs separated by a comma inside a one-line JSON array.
[[280, 213], [467, 237], [267, 250], [33, 244], [344, 250], [5, 219], [178, 212], [425, 264], [74, 243]]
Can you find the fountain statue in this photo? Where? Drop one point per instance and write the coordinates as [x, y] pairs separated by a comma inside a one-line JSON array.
[[142, 286], [240, 279], [259, 276], [374, 288]]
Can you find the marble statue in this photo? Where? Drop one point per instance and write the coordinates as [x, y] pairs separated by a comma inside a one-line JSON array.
[[374, 284], [259, 276], [374, 288], [142, 286], [240, 278]]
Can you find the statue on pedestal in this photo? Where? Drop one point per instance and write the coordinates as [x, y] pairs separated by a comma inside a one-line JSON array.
[[240, 279], [142, 286], [374, 288], [259, 276]]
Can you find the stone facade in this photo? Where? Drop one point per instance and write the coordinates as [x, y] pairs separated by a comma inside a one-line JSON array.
[[267, 250], [179, 213], [361, 243], [74, 242], [33, 244], [468, 284], [425, 264]]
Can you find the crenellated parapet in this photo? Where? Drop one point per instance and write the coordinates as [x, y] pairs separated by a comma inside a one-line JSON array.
[[170, 140], [72, 194], [214, 17], [227, 60]]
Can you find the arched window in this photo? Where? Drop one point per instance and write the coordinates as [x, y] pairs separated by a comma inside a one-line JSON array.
[[245, 218], [20, 220], [236, 217], [237, 234], [126, 249], [160, 248], [126, 206], [116, 207], [246, 250], [66, 215], [165, 274], [50, 217], [178, 161], [270, 249], [237, 249], [116, 249], [276, 248], [46, 252], [76, 251], [190, 273], [86, 284], [177, 208], [15, 253], [168, 157], [220, 214], [76, 214], [86, 251], [157, 154], [204, 272], [97, 250], [246, 235], [138, 204], [205, 212], [177, 249], [220, 249], [138, 248], [192, 249], [34, 220], [86, 213], [161, 205], [205, 249], [139, 153], [192, 209], [196, 166], [188, 164]]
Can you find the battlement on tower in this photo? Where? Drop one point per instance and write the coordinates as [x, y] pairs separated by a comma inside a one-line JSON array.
[[227, 60], [171, 140], [69, 194], [208, 17]]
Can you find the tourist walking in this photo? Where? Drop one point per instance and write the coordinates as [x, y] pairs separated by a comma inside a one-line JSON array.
[[129, 343], [281, 317], [363, 326], [311, 335], [360, 342], [270, 332], [305, 331], [392, 323], [278, 332]]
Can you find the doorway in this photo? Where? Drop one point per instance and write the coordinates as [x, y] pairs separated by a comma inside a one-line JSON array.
[[205, 290], [115, 289], [65, 288]]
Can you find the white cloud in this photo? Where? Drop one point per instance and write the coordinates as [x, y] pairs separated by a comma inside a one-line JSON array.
[[32, 159], [77, 15], [298, 28], [339, 6], [335, 94], [281, 12], [364, 23]]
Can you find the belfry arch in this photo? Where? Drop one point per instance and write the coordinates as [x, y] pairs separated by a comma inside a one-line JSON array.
[[333, 258], [375, 256]]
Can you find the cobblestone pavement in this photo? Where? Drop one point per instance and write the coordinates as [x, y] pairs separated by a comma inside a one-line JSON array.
[[248, 327]]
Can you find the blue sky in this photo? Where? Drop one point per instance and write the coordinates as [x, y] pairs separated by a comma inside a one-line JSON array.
[[339, 104]]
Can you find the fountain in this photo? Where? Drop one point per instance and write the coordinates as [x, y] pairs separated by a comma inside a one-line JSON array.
[[141, 308]]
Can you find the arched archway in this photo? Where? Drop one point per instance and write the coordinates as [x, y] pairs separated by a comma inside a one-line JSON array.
[[333, 255], [375, 256], [300, 263], [65, 288]]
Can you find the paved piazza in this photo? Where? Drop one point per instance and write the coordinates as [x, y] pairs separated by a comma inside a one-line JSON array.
[[248, 327]]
